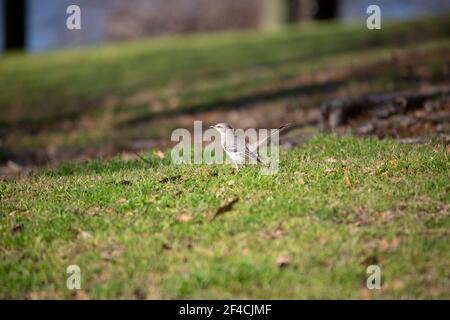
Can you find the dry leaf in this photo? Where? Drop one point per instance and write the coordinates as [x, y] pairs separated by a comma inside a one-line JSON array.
[[331, 160], [225, 208], [111, 254], [173, 178], [93, 211], [365, 294], [283, 261], [17, 228], [80, 295], [301, 181], [347, 181], [394, 243], [84, 234], [397, 285], [121, 201], [384, 244], [183, 218], [159, 154], [103, 276]]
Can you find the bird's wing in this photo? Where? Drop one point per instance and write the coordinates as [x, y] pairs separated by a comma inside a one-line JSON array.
[[243, 152], [258, 143]]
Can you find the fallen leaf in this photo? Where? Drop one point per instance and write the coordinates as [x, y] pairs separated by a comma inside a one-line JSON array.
[[394, 243], [17, 229], [273, 234], [331, 160], [373, 259], [365, 294], [301, 181], [103, 276], [397, 285], [283, 261], [172, 178], [347, 181], [159, 154], [93, 211], [111, 254], [84, 234], [121, 201], [80, 295], [225, 208], [183, 218], [384, 244]]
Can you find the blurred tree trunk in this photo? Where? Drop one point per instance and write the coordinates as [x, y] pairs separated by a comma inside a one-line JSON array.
[[15, 24], [273, 13], [279, 12], [327, 9]]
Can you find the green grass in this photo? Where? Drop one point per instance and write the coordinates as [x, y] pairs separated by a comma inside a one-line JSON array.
[[119, 92], [392, 210], [337, 204]]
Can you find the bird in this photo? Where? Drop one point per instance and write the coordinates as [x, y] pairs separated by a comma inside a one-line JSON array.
[[236, 148]]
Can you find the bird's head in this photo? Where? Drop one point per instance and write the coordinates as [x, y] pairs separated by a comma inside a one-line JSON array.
[[222, 127]]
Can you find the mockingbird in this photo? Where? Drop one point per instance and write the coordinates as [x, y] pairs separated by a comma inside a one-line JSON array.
[[237, 149]]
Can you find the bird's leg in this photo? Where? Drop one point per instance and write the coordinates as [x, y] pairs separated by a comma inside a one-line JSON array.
[[236, 166]]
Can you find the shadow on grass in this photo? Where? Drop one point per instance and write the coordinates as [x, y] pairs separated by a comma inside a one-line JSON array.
[[101, 167], [239, 102]]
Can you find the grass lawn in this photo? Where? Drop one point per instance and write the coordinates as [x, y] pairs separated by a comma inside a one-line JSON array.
[[139, 230], [118, 93], [146, 230]]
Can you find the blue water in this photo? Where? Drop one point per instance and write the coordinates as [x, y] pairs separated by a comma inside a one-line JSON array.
[[47, 19]]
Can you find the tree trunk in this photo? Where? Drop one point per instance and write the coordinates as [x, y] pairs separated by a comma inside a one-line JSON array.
[[15, 24]]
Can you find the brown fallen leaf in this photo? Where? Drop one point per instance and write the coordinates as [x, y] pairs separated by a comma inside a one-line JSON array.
[[93, 211], [393, 162], [394, 243], [331, 160], [365, 294], [301, 181], [167, 179], [112, 253], [347, 181], [225, 208], [16, 229], [183, 218], [80, 295], [283, 261], [84, 234], [273, 234], [159, 154], [121, 201]]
